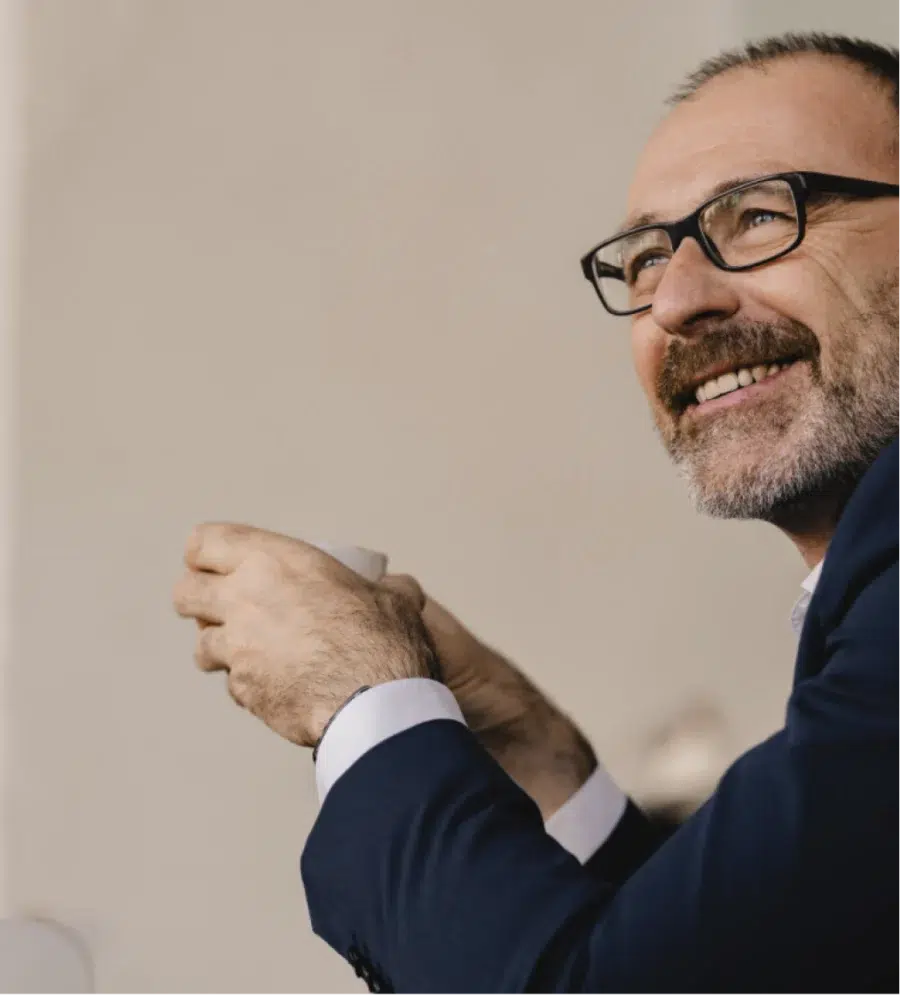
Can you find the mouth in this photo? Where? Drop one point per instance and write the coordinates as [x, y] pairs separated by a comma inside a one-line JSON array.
[[731, 384]]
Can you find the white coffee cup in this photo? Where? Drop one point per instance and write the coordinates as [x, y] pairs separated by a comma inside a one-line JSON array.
[[367, 563]]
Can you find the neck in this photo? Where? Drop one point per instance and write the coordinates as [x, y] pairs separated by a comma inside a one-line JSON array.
[[811, 523], [812, 548]]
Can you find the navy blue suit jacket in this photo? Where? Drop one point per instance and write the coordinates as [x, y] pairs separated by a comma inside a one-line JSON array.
[[430, 870]]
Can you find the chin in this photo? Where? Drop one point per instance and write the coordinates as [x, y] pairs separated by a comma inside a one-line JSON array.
[[748, 489], [767, 461], [773, 477], [732, 505]]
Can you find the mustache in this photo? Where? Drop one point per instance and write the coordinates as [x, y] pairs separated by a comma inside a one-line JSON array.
[[730, 344]]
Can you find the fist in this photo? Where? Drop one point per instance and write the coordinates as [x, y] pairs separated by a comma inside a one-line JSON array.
[[297, 632]]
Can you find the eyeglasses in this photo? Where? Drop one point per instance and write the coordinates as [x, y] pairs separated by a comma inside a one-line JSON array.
[[748, 225]]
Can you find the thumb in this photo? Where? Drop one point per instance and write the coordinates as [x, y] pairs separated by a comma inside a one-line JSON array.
[[407, 586]]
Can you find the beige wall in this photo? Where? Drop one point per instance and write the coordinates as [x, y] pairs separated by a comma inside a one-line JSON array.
[[873, 19], [11, 155], [314, 265]]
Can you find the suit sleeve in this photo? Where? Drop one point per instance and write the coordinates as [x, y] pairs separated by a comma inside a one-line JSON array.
[[430, 867], [597, 819], [634, 839]]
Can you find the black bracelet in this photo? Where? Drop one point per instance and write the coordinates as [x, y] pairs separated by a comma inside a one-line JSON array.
[[346, 702], [434, 673]]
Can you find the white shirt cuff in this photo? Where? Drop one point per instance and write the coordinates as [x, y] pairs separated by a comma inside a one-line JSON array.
[[583, 823], [382, 712]]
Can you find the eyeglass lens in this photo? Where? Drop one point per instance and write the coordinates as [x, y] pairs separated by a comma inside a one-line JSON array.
[[745, 227]]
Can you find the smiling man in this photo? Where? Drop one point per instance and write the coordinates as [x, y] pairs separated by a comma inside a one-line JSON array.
[[468, 839], [772, 374]]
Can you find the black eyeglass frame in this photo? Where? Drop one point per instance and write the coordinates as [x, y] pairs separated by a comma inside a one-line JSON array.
[[802, 184]]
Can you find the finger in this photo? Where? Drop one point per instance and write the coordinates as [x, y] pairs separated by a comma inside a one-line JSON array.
[[212, 653], [199, 595], [222, 547], [407, 586]]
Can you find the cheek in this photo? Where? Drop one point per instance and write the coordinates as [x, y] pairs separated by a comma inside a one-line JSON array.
[[647, 350], [821, 293]]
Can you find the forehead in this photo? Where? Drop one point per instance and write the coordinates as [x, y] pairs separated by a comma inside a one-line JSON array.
[[808, 112]]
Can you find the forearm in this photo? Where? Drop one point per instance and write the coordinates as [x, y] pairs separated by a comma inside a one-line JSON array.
[[514, 720], [546, 756], [583, 808], [772, 884], [427, 836], [454, 804], [581, 805]]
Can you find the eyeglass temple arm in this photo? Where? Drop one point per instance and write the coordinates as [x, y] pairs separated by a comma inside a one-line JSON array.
[[602, 269], [829, 184]]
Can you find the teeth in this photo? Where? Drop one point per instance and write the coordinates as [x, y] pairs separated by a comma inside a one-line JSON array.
[[729, 382]]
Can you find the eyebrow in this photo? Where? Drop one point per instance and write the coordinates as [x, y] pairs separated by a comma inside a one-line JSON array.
[[655, 218]]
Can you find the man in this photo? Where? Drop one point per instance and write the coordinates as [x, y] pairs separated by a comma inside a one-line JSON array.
[[758, 266]]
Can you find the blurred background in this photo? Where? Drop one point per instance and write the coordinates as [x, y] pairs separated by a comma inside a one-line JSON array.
[[314, 266]]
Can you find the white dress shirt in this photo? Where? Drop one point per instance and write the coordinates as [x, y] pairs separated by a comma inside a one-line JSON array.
[[582, 824]]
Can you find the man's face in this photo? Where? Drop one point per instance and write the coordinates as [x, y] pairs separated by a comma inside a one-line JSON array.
[[830, 305]]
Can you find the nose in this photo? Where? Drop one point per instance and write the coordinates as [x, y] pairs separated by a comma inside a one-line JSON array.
[[692, 291]]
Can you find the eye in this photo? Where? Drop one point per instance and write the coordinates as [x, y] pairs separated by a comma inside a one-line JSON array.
[[644, 261], [755, 217]]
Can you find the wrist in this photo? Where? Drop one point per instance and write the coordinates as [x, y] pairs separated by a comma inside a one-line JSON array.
[[420, 663], [333, 716], [553, 788], [550, 761]]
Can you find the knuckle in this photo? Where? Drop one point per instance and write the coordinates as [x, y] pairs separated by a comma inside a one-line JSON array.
[[396, 603], [241, 685], [406, 586], [212, 649], [200, 535], [232, 530], [399, 608], [235, 691], [192, 544], [262, 569], [312, 557], [205, 532], [202, 661], [180, 591]]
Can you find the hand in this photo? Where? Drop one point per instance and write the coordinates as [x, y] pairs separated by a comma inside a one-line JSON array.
[[535, 743], [297, 632]]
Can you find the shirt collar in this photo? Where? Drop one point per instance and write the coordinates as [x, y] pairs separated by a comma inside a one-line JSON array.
[[798, 613]]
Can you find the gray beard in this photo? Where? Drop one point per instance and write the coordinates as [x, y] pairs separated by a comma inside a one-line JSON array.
[[776, 463], [824, 453]]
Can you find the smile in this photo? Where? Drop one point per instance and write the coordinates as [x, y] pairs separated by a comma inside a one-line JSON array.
[[736, 379], [740, 385]]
